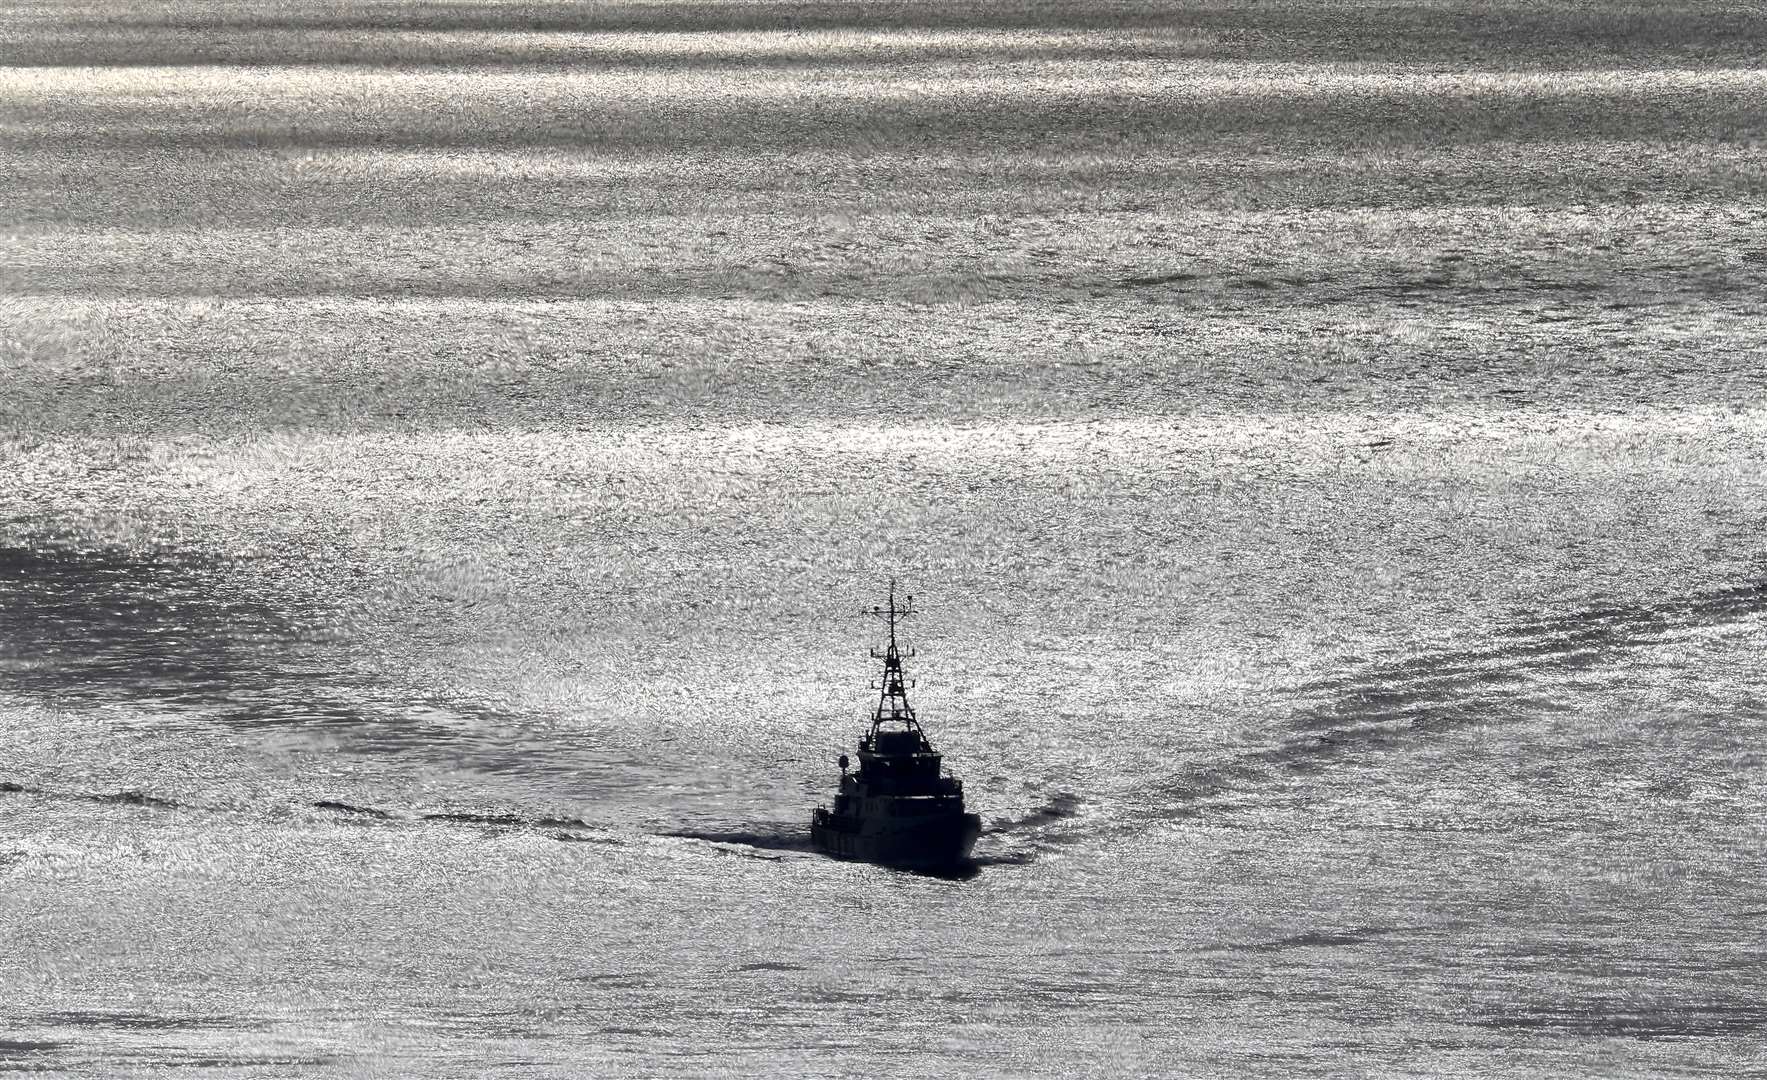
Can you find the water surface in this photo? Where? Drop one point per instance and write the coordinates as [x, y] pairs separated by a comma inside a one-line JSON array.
[[445, 451]]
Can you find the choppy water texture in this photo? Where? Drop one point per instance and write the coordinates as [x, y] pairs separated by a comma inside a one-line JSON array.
[[447, 445]]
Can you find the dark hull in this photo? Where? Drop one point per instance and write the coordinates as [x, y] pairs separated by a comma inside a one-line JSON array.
[[928, 844]]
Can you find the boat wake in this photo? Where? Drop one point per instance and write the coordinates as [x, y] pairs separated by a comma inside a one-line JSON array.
[[115, 798], [762, 837], [347, 808], [559, 828], [1393, 706], [1062, 806]]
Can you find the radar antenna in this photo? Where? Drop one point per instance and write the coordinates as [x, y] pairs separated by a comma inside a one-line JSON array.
[[892, 701]]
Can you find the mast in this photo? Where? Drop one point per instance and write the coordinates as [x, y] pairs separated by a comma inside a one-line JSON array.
[[892, 700]]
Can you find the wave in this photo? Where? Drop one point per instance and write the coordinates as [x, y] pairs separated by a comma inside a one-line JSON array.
[[132, 798], [1021, 858], [764, 837], [464, 818], [1318, 939], [560, 828], [1060, 807], [114, 798], [347, 808], [581, 838], [1629, 1018], [1392, 706]]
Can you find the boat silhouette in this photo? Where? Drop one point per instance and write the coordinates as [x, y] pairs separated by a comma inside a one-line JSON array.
[[898, 808]]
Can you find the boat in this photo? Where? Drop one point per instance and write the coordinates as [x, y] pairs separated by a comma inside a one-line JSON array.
[[898, 808]]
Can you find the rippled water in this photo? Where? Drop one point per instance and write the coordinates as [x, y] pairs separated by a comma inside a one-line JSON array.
[[447, 449]]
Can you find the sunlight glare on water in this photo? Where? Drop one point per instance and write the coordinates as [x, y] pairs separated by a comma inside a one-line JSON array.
[[436, 516]]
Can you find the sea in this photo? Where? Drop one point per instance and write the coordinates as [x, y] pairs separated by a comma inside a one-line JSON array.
[[450, 453]]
